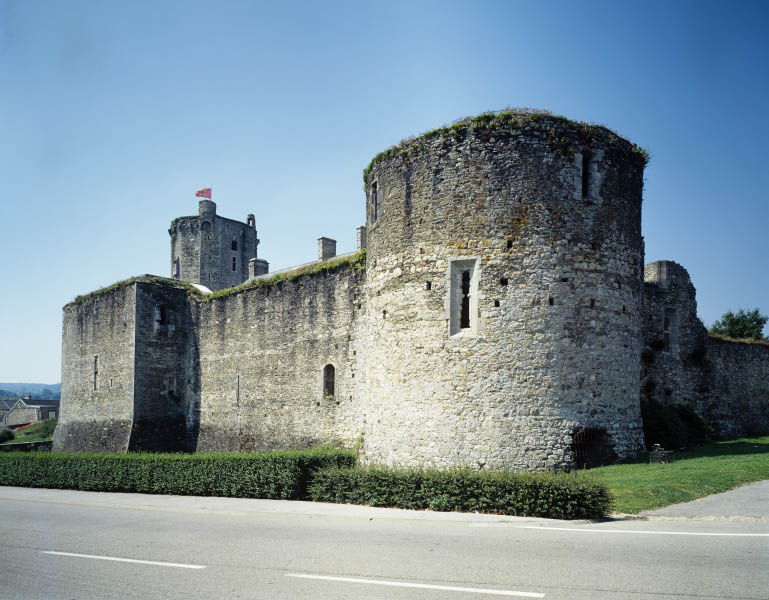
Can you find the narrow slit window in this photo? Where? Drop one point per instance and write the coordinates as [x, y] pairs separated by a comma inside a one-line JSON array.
[[463, 294], [234, 245], [234, 263], [429, 285], [374, 204], [587, 158], [464, 318], [328, 381], [95, 371]]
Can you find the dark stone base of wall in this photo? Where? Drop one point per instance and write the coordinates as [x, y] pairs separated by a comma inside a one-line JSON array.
[[92, 436], [159, 435], [221, 439]]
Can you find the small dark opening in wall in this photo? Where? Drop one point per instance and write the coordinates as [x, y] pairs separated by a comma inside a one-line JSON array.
[[564, 279], [421, 250], [234, 244], [328, 380], [624, 308], [503, 281], [161, 315], [384, 314], [594, 246], [587, 157], [374, 205], [496, 303], [550, 301], [509, 244], [429, 285], [592, 447], [592, 302], [464, 317], [234, 263]]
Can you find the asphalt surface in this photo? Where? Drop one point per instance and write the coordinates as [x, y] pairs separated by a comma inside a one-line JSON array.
[[747, 503], [83, 545]]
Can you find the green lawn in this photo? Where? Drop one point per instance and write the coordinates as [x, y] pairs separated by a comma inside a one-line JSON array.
[[709, 469], [39, 432]]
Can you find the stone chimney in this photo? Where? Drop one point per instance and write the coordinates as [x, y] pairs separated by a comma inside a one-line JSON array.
[[361, 237], [257, 266], [326, 248]]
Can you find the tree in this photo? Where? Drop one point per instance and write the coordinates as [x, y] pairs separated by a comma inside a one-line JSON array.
[[744, 325]]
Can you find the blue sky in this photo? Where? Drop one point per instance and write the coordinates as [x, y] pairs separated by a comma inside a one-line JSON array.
[[113, 113]]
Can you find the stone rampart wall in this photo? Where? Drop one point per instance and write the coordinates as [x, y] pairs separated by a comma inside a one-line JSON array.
[[727, 383], [97, 392], [262, 354]]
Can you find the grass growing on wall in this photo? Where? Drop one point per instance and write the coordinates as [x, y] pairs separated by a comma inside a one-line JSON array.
[[516, 118], [357, 261], [709, 469]]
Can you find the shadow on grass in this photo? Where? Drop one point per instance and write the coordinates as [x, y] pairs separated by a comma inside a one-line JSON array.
[[735, 447], [728, 448]]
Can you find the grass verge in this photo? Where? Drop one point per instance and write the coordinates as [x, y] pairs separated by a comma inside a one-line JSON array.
[[36, 432], [709, 469]]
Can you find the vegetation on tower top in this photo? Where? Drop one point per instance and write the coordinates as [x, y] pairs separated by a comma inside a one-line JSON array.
[[555, 126]]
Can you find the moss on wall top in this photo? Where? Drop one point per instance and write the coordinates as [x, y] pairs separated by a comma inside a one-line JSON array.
[[356, 261], [556, 128], [152, 279], [722, 338]]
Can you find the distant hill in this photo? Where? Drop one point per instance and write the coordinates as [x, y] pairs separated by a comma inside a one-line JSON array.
[[45, 391]]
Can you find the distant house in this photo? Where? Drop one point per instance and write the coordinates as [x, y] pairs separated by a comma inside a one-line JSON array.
[[27, 410], [6, 404]]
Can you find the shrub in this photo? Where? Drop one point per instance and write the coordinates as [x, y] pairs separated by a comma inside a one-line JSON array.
[[276, 475], [6, 434], [673, 426], [557, 496]]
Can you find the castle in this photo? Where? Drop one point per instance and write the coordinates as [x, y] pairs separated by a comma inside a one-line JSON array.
[[498, 314]]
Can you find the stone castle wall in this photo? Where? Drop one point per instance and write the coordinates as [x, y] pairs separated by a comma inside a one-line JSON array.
[[262, 355], [243, 371], [502, 320], [552, 343], [97, 390], [725, 382]]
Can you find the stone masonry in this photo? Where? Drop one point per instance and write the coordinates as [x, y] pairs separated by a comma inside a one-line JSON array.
[[499, 316]]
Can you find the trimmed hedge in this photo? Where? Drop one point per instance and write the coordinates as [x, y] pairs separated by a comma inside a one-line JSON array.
[[275, 475], [554, 496]]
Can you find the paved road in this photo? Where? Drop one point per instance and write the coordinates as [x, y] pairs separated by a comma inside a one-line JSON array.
[[747, 503], [63, 545]]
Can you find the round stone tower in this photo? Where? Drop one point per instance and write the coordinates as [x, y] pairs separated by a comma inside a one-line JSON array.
[[504, 268]]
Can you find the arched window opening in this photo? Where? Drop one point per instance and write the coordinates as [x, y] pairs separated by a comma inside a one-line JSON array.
[[328, 381]]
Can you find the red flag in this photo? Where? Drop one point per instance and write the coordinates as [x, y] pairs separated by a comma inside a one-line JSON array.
[[204, 193]]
